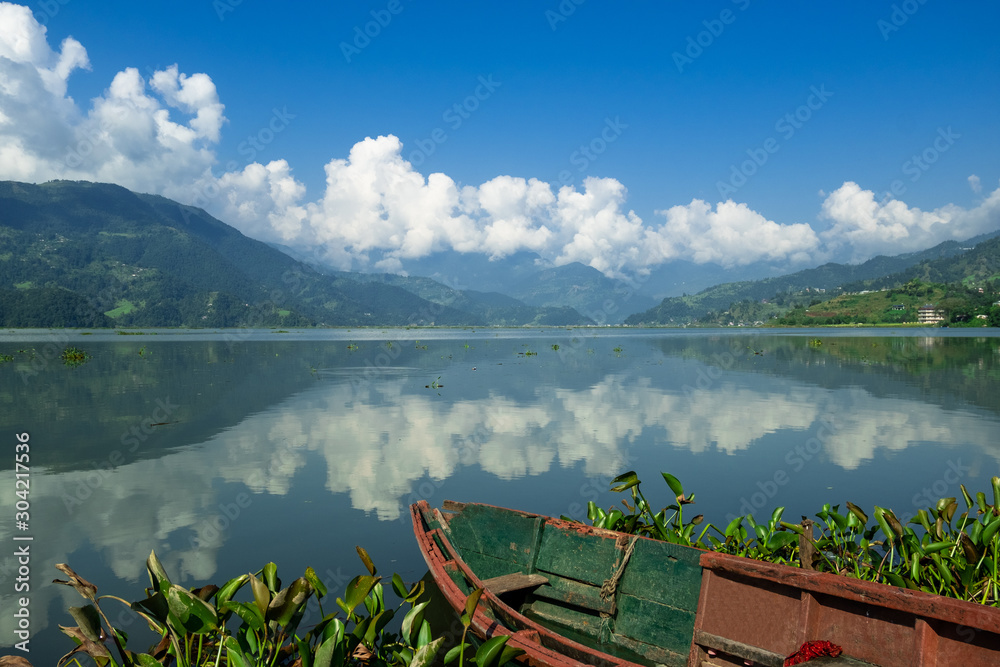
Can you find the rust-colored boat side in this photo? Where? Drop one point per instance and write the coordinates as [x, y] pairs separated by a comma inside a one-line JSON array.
[[777, 608]]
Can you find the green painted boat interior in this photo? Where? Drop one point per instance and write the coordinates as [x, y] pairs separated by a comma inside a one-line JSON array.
[[650, 616]]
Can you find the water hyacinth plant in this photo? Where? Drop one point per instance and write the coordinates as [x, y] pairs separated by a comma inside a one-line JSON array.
[[208, 625], [939, 550]]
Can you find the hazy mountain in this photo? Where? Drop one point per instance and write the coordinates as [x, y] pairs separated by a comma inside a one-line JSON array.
[[585, 289], [91, 254], [492, 307]]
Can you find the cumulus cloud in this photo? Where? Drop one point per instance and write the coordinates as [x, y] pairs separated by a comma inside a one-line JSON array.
[[974, 183], [730, 235], [868, 227], [159, 134]]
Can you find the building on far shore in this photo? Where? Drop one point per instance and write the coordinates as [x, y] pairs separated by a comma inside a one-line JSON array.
[[929, 314]]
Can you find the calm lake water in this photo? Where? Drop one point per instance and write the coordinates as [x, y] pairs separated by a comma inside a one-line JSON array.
[[223, 451]]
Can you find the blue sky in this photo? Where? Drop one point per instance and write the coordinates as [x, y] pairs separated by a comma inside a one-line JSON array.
[[726, 132]]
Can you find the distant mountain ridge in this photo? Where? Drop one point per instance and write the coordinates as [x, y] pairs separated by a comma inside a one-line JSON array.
[[91, 254], [933, 264]]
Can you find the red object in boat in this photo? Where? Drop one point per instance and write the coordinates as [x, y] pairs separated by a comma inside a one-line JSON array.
[[810, 650]]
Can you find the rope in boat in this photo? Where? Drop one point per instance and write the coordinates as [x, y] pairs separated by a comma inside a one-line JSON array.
[[610, 586]]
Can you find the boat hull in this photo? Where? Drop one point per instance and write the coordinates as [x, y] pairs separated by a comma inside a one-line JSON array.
[[666, 604]]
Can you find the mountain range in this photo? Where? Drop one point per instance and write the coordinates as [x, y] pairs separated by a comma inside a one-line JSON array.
[[81, 254]]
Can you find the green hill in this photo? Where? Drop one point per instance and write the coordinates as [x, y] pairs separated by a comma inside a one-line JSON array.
[[950, 261], [93, 254]]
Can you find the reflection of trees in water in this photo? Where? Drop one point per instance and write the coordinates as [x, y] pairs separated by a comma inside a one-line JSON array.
[[943, 369]]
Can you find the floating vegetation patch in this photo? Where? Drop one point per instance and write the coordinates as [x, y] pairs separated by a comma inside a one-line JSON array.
[[74, 356]]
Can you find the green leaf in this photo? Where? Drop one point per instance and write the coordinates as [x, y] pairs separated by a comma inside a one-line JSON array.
[[424, 657], [625, 481], [890, 535], [229, 589], [357, 590], [858, 512], [990, 530], [261, 595], [146, 660], [270, 577], [675, 485], [366, 559], [398, 587], [89, 621], [315, 582], [158, 578], [424, 637], [733, 526], [894, 579], [470, 606], [155, 605], [196, 615], [509, 653], [966, 496], [234, 655], [249, 613], [327, 651], [489, 653], [781, 539], [412, 620], [936, 547], [305, 652], [454, 652], [289, 602]]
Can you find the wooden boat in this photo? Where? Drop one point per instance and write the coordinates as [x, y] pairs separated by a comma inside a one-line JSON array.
[[570, 594]]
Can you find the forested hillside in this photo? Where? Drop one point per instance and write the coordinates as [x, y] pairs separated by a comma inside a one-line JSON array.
[[92, 255]]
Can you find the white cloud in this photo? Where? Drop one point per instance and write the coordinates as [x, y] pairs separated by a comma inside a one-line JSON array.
[[731, 235], [867, 227], [376, 211], [974, 183]]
